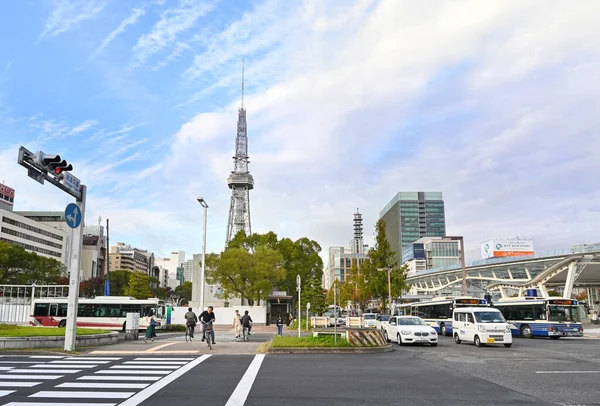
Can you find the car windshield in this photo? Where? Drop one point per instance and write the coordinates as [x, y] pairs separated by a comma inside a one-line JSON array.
[[384, 318], [411, 321], [370, 316], [489, 317], [563, 313]]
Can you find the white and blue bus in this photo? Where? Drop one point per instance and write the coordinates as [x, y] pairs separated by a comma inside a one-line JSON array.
[[437, 312], [542, 317]]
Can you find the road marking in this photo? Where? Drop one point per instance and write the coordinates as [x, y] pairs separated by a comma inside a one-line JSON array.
[[19, 362], [119, 378], [6, 392], [63, 366], [95, 358], [46, 356], [30, 376], [155, 362], [18, 384], [155, 387], [6, 368], [57, 404], [120, 371], [146, 352], [87, 385], [240, 394], [567, 372], [164, 359], [81, 394], [37, 371], [158, 347], [144, 367], [67, 362]]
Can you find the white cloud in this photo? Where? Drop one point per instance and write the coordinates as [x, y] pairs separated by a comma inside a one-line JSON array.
[[172, 22], [70, 13], [132, 19]]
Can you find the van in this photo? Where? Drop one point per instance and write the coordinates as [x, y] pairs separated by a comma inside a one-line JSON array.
[[481, 326]]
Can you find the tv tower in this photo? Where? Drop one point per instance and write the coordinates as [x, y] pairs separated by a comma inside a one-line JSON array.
[[240, 181]]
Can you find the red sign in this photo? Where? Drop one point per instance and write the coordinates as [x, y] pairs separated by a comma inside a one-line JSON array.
[[7, 194]]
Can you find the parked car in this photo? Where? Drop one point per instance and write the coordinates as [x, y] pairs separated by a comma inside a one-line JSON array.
[[369, 320], [410, 330], [480, 325]]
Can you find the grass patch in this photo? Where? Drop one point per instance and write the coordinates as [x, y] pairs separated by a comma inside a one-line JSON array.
[[319, 341], [263, 348], [294, 326], [11, 330]]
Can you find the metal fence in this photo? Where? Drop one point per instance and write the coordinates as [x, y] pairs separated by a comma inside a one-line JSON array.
[[15, 300]]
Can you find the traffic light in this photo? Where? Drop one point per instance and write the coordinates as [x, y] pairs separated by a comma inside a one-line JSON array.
[[53, 164]]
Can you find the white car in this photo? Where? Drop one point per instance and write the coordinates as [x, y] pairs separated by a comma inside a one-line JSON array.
[[381, 320], [410, 330], [370, 320]]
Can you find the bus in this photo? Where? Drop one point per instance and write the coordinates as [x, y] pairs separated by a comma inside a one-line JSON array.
[[542, 317], [437, 312], [107, 312]]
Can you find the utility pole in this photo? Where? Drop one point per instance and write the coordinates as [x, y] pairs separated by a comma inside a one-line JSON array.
[[299, 289]]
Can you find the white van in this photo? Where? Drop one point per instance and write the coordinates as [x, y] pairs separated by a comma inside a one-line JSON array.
[[480, 325]]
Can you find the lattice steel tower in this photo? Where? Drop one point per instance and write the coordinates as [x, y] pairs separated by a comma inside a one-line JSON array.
[[240, 181]]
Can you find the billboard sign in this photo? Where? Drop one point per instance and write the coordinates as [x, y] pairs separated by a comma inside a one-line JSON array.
[[506, 247], [413, 251], [7, 195], [419, 251]]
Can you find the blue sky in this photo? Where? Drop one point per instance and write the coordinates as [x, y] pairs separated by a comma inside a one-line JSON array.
[[348, 102]]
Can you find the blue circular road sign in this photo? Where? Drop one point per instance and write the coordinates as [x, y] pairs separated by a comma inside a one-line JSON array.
[[73, 215]]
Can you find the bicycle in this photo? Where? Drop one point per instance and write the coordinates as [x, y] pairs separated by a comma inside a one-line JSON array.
[[207, 336], [245, 337], [189, 332]]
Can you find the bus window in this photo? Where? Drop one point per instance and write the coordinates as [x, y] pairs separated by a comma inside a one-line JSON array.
[[62, 310], [41, 309], [160, 312], [53, 310]]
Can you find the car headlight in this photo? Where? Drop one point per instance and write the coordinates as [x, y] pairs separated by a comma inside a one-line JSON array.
[[508, 329], [434, 333], [481, 328], [405, 332]]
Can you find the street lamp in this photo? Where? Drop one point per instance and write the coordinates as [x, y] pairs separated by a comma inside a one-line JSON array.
[[205, 206], [389, 271], [299, 289], [462, 261]]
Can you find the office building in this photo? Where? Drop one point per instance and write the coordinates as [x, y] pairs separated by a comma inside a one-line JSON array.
[[431, 253], [7, 197], [126, 257], [413, 215]]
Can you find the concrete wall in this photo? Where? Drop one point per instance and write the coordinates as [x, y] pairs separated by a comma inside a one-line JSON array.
[[223, 315], [58, 341]]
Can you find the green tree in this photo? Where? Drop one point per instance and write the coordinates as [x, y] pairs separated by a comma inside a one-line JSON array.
[[139, 286], [381, 256], [21, 267], [300, 257], [119, 280], [356, 286], [246, 274], [342, 295], [184, 290], [313, 293]]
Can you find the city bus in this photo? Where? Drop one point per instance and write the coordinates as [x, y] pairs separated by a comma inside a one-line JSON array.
[[107, 312], [542, 317], [437, 312]]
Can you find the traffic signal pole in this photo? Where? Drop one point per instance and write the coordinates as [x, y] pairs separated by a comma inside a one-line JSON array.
[[74, 272]]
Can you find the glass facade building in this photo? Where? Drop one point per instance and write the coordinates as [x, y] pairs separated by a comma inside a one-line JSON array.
[[413, 215]]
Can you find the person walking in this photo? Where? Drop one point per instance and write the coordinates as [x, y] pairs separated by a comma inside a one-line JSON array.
[[279, 326], [595, 318], [237, 324], [151, 329]]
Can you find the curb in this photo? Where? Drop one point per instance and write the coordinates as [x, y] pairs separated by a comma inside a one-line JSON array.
[[330, 350]]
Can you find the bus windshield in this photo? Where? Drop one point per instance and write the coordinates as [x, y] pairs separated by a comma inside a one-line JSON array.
[[563, 313], [489, 317]]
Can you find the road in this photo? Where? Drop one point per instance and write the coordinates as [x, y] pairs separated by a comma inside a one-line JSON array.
[[532, 372]]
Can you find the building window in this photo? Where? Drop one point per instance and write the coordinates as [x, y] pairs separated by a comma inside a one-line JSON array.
[[30, 237], [32, 248], [31, 228]]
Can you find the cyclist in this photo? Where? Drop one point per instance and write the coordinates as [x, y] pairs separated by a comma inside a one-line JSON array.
[[190, 320], [206, 317], [246, 321]]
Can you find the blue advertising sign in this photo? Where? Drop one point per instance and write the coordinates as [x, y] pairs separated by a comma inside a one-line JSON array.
[[407, 253], [419, 251]]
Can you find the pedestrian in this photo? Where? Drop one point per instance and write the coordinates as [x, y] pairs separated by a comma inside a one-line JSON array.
[[237, 324], [279, 326], [151, 329], [595, 317]]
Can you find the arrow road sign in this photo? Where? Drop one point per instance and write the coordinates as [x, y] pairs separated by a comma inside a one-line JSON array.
[[73, 215]]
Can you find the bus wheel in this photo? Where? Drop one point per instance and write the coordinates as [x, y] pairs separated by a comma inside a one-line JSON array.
[[443, 329], [526, 331], [62, 323], [554, 337]]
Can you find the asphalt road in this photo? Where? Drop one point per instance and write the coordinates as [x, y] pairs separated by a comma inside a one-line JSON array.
[[532, 372]]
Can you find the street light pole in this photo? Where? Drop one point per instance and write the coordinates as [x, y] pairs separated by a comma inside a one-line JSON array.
[[299, 288], [203, 270], [389, 272]]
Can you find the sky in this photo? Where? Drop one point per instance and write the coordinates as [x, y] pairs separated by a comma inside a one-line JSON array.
[[493, 103]]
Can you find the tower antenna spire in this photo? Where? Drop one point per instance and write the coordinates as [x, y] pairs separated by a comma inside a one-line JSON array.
[[242, 83]]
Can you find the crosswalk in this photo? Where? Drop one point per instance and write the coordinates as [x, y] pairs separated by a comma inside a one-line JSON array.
[[86, 380]]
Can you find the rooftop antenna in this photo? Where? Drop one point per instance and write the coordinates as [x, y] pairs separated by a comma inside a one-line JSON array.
[[242, 83]]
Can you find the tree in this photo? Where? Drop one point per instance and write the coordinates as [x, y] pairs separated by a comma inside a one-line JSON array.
[[313, 293], [250, 275], [21, 267], [139, 286], [342, 295], [381, 256], [184, 290], [553, 293], [356, 286], [300, 257], [119, 280], [92, 287], [582, 296]]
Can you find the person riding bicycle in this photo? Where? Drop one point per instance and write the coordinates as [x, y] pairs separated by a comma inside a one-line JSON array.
[[247, 321], [190, 320], [206, 317]]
